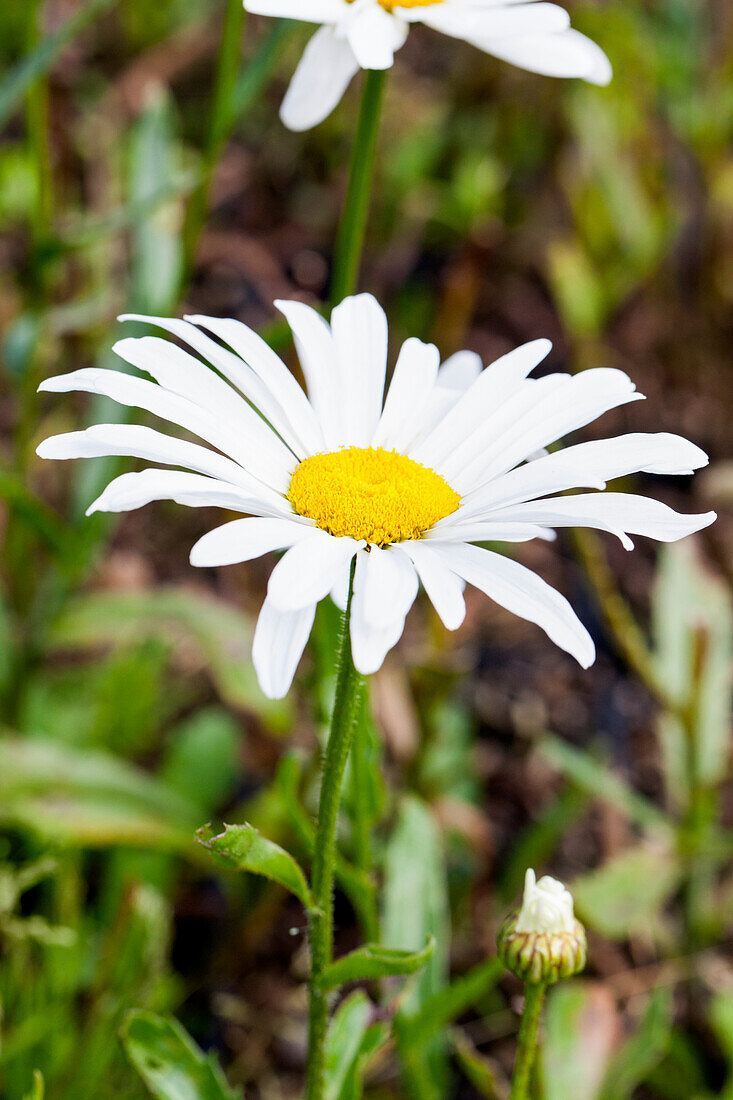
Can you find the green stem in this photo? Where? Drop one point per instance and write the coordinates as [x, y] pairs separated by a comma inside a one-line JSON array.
[[349, 686], [534, 995], [350, 240], [220, 123]]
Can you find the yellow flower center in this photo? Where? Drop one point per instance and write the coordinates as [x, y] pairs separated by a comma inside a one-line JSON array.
[[390, 5], [372, 494]]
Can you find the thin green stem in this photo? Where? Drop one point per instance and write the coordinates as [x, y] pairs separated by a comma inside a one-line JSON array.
[[352, 228], [534, 995], [220, 123], [349, 686]]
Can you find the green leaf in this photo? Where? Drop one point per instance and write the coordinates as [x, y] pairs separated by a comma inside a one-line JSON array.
[[483, 1074], [157, 251], [446, 1005], [185, 619], [721, 1018], [202, 760], [416, 907], [38, 1091], [343, 1042], [89, 799], [643, 1051], [693, 628], [626, 895], [374, 961], [51, 530], [243, 847], [170, 1063], [581, 1026]]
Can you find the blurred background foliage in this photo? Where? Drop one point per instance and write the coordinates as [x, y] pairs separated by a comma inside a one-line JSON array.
[[143, 168]]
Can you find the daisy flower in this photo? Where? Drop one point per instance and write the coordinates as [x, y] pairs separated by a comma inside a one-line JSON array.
[[365, 34], [404, 483]]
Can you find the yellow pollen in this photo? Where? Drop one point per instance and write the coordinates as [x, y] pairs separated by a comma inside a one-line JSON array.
[[372, 494], [390, 5]]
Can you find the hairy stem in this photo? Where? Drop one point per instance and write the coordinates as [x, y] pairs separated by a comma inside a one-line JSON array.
[[349, 687], [534, 995]]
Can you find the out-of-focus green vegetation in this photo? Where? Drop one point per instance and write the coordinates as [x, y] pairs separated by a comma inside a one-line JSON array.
[[142, 168]]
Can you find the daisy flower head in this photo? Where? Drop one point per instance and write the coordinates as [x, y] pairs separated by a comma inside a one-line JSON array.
[[366, 34], [399, 483]]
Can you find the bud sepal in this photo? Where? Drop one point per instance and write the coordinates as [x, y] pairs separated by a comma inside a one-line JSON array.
[[543, 941]]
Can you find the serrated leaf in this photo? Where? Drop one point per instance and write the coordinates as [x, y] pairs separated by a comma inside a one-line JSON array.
[[244, 848], [374, 961], [170, 1063]]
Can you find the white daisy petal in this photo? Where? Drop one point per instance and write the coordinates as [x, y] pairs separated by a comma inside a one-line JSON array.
[[493, 386], [369, 643], [375, 36], [388, 586], [325, 71], [279, 641], [567, 54], [273, 376], [130, 491], [568, 404], [134, 441], [308, 11], [622, 514], [464, 467], [177, 371], [359, 329], [259, 387], [245, 539], [460, 371], [308, 572], [340, 590], [488, 530], [482, 25], [408, 396], [444, 589], [523, 593], [588, 465], [141, 394], [317, 354]]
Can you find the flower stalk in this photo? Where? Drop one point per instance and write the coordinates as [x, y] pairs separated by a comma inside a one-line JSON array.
[[541, 943], [352, 228], [534, 995], [349, 689]]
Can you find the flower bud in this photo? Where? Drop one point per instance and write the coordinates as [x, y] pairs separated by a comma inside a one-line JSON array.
[[542, 941]]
